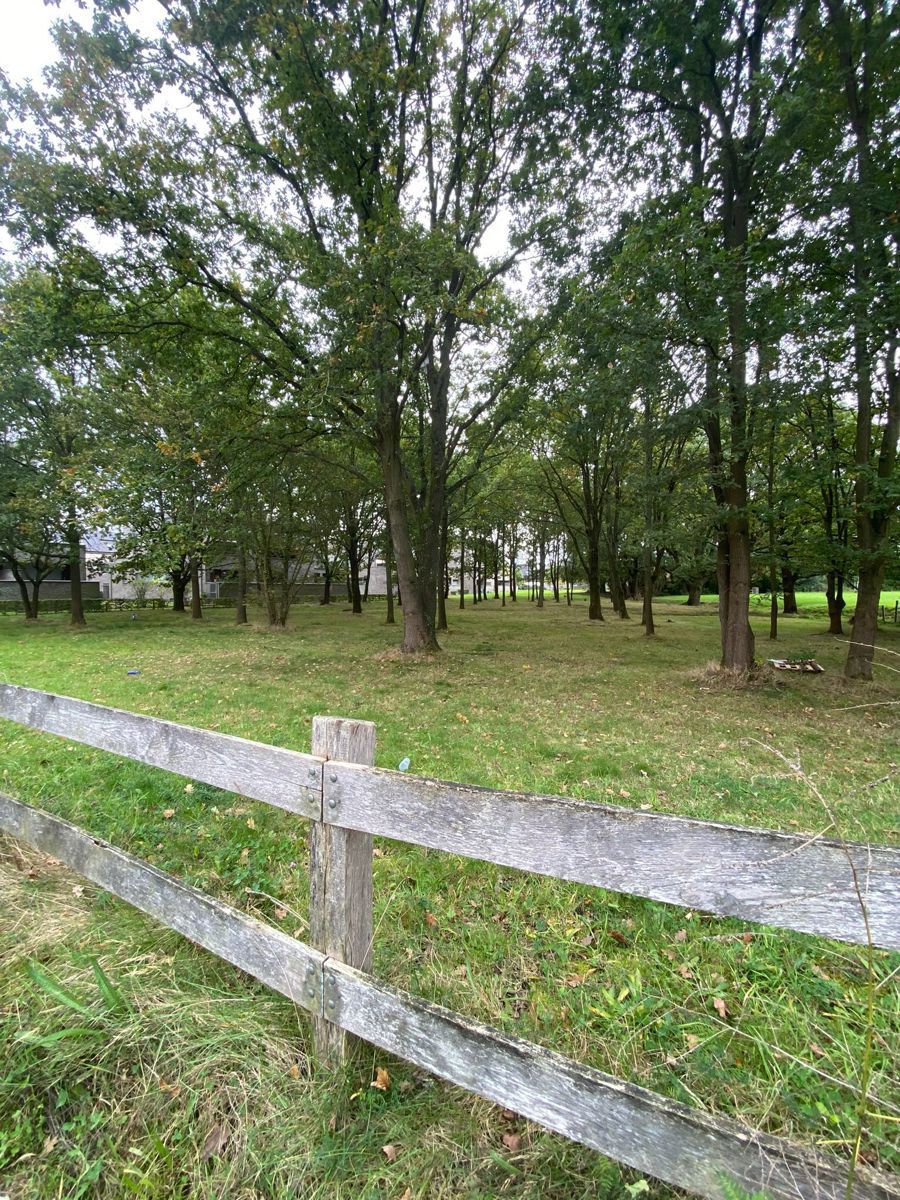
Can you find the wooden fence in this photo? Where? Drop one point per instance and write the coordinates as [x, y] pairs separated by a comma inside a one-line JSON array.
[[850, 892]]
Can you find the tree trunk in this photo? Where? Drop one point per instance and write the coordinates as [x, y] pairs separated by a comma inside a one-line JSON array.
[[834, 594], [418, 581], [442, 595], [616, 587], [649, 515], [554, 572], [268, 587], [240, 612], [462, 566], [695, 591], [595, 612], [30, 609], [389, 579], [179, 587], [503, 569], [738, 643], [789, 590], [513, 554], [542, 571], [196, 605], [865, 624], [647, 606], [773, 557], [353, 585], [76, 602]]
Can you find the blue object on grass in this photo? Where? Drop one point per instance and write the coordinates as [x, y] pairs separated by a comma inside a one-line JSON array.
[[132, 672], [404, 764]]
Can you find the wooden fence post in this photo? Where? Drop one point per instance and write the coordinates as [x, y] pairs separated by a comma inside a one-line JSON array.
[[340, 878]]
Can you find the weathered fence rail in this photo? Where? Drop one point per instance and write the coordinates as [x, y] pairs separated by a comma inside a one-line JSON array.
[[810, 884]]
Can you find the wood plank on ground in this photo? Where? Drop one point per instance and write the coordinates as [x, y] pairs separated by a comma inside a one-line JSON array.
[[810, 884], [286, 779]]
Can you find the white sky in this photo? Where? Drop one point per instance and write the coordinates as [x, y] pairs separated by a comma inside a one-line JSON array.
[[25, 42]]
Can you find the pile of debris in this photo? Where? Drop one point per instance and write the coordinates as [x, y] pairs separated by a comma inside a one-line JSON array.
[[796, 664]]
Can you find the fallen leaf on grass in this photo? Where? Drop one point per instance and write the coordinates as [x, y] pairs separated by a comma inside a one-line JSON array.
[[294, 1071], [168, 813], [512, 1141], [280, 914], [172, 1088], [390, 1152], [251, 824], [618, 937], [430, 919], [382, 1080], [816, 1049], [681, 935], [407, 1195], [78, 890], [720, 1006], [213, 1142], [462, 718]]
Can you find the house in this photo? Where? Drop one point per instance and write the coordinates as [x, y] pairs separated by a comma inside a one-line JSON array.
[[55, 585]]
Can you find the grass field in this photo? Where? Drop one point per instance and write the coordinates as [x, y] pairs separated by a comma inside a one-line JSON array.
[[116, 1074]]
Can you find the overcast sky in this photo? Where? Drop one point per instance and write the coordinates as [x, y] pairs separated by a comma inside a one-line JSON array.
[[26, 45]]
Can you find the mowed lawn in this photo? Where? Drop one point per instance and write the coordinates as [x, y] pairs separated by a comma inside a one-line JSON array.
[[115, 1084]]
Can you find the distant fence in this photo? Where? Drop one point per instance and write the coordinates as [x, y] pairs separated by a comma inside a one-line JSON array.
[[815, 885], [95, 604]]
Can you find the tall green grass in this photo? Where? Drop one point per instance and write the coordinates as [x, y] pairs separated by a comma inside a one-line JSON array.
[[540, 700]]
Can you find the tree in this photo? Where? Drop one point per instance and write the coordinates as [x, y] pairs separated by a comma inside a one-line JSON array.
[[334, 190], [696, 90], [855, 49], [31, 519], [173, 394], [48, 380]]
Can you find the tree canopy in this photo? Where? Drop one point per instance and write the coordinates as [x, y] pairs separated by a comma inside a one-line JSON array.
[[306, 277]]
